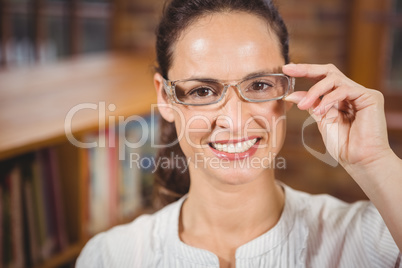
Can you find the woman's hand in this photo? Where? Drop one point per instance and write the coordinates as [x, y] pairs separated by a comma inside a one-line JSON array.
[[349, 116], [351, 120]]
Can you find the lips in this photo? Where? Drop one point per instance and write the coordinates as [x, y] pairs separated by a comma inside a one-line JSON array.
[[234, 150]]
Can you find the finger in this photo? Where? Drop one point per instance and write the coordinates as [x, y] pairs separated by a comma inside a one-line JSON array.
[[309, 70], [338, 99], [319, 89], [295, 97], [311, 110]]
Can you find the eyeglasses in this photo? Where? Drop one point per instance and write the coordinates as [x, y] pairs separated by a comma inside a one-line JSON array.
[[199, 92]]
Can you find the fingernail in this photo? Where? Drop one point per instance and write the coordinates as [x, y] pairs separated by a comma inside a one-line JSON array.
[[290, 98]]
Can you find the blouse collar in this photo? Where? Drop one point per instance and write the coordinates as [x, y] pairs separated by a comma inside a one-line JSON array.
[[261, 245]]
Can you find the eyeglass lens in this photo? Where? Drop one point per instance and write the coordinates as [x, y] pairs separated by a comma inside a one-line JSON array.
[[262, 88]]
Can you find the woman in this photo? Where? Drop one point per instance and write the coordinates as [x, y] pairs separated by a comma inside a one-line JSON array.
[[224, 85]]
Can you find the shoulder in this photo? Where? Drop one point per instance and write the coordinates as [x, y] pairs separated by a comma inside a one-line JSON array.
[[344, 231], [136, 243], [111, 248], [316, 208]]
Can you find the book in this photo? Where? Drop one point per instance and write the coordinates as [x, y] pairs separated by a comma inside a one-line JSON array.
[[98, 188], [113, 176], [45, 241], [1, 224], [46, 181], [34, 253], [16, 217], [130, 173], [55, 197], [148, 152], [7, 225]]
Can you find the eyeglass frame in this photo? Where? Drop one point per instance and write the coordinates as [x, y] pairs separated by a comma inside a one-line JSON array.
[[169, 87]]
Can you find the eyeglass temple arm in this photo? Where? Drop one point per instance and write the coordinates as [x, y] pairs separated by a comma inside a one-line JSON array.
[[167, 86]]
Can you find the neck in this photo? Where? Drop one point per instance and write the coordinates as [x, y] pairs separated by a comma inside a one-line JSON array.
[[245, 210]]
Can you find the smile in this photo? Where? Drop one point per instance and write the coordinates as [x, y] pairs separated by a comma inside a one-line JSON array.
[[238, 147]]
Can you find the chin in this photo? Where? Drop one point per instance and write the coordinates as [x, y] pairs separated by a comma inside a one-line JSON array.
[[237, 176]]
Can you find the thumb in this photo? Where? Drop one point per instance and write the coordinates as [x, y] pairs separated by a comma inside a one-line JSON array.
[[295, 97]]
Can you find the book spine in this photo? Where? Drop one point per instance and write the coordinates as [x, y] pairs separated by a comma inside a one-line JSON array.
[[7, 225], [1, 225], [113, 179], [48, 203], [57, 206], [85, 177], [99, 210], [16, 217], [32, 228], [39, 205]]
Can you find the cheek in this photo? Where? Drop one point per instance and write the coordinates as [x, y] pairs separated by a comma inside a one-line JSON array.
[[270, 113], [271, 117], [273, 108], [192, 128], [278, 123]]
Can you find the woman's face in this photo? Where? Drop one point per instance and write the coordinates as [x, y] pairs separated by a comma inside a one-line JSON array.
[[228, 47]]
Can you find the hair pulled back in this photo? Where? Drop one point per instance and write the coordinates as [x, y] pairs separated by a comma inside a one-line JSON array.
[[173, 182]]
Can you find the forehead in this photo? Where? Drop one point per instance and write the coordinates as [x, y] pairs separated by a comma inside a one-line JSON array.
[[225, 46]]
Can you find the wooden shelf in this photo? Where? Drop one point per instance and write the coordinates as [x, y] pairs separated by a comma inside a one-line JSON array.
[[34, 102]]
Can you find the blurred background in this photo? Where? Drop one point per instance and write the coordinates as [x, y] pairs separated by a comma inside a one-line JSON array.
[[56, 54]]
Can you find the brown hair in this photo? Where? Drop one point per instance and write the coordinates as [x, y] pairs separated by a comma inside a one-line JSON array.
[[173, 182]]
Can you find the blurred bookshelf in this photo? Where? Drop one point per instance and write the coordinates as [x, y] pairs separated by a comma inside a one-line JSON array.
[[49, 30], [46, 31], [55, 55], [54, 196]]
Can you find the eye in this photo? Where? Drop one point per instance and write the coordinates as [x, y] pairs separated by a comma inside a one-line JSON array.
[[260, 86], [201, 92]]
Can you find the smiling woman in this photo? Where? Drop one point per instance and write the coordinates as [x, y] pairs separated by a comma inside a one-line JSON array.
[[224, 87]]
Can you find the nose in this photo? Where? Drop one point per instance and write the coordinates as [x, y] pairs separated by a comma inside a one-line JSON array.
[[233, 113]]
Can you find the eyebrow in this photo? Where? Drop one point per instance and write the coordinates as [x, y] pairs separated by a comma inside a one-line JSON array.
[[248, 76]]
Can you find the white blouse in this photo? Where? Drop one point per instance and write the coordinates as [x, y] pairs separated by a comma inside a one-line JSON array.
[[313, 231]]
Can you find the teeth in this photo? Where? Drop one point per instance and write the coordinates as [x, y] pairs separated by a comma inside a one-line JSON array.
[[239, 147], [231, 148]]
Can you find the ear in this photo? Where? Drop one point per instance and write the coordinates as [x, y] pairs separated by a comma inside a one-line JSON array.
[[164, 103]]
